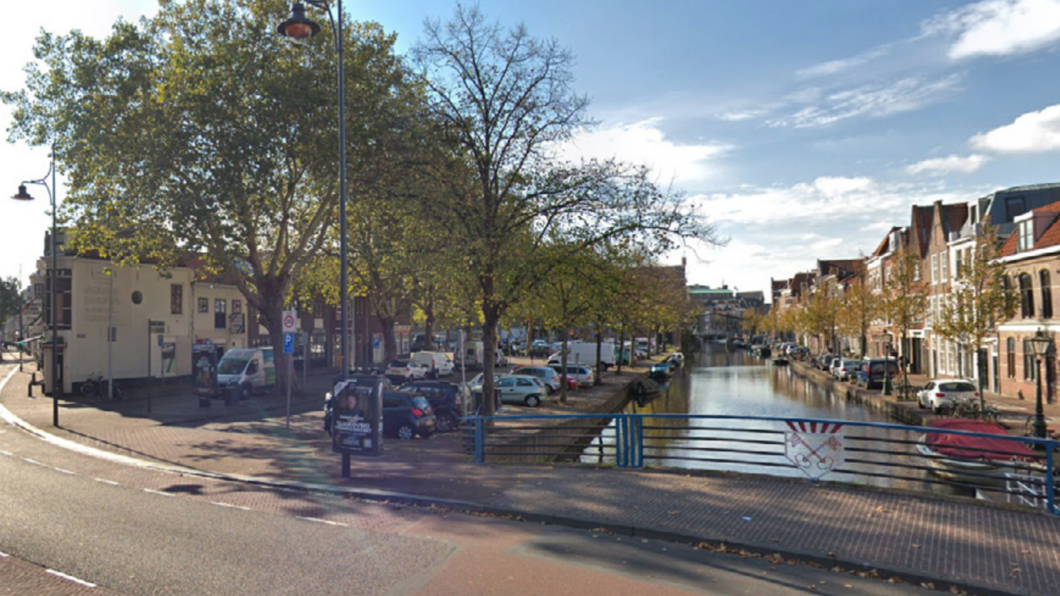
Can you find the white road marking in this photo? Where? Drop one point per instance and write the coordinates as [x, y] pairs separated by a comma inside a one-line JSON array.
[[230, 505], [110, 482], [7, 453], [71, 578], [30, 461], [322, 521], [62, 471], [158, 492], [3, 555]]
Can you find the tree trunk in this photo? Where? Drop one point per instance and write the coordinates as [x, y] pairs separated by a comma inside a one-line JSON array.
[[428, 325], [563, 369], [599, 351], [491, 315], [621, 352], [389, 343], [270, 297]]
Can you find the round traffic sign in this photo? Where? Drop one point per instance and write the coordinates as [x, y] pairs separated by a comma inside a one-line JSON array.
[[288, 322]]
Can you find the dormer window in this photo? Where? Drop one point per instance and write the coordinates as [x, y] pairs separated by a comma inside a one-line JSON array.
[[1025, 240]]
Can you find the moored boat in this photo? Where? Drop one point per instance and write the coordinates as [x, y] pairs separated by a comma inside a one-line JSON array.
[[977, 460]]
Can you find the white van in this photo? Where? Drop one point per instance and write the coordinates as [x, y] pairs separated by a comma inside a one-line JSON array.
[[252, 370], [473, 357], [438, 363], [584, 353]]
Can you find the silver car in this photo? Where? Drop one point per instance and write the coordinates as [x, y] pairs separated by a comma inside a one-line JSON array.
[[521, 389]]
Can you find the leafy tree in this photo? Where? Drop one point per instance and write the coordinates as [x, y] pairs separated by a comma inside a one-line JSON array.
[[822, 307], [904, 296], [506, 103], [10, 303], [861, 306], [978, 298], [195, 131]]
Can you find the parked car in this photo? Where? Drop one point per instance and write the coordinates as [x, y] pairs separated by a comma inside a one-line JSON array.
[[446, 399], [943, 394], [872, 370], [400, 371], [583, 374], [844, 369], [405, 416], [547, 375], [824, 361], [521, 389]]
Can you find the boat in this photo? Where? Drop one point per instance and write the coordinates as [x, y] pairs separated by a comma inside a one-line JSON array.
[[661, 370], [780, 361], [973, 460]]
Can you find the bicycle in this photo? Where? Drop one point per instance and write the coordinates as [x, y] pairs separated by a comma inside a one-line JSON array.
[[96, 386], [971, 409]]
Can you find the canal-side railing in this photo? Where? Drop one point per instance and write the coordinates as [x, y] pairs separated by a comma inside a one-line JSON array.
[[1001, 468]]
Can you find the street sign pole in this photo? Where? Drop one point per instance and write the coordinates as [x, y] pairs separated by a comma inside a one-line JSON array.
[[288, 351]]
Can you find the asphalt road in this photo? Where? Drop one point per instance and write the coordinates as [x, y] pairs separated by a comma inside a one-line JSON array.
[[74, 524]]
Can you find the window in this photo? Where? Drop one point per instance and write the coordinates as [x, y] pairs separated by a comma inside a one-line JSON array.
[[237, 306], [1010, 357], [1030, 366], [1025, 241], [64, 297], [916, 271], [1026, 296], [944, 267], [176, 299], [934, 268], [1047, 294], [204, 305], [973, 214], [220, 309], [1014, 206]]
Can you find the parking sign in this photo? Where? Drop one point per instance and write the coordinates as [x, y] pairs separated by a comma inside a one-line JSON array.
[[288, 343]]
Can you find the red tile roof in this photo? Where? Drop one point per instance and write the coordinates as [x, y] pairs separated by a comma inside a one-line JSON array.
[[1050, 237]]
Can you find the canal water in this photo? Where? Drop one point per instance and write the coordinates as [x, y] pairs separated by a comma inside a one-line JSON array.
[[736, 383]]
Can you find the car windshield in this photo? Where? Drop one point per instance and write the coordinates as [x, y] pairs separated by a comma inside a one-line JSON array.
[[231, 366], [420, 402]]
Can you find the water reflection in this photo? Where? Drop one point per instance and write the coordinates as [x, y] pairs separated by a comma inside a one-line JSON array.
[[722, 382]]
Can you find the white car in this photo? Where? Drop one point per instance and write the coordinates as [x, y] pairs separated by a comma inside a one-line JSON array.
[[943, 394], [400, 371]]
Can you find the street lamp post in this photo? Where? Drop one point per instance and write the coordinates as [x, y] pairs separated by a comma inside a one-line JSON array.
[[299, 28], [887, 368], [25, 196], [1040, 344]]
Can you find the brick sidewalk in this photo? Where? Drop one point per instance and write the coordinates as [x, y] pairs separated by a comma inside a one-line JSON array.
[[971, 544]]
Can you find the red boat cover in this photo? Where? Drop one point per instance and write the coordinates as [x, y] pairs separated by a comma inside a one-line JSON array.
[[975, 448]]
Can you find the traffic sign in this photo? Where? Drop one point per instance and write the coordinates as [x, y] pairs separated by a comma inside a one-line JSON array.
[[288, 343], [289, 320]]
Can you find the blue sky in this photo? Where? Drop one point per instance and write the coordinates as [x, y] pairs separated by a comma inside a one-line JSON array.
[[803, 130]]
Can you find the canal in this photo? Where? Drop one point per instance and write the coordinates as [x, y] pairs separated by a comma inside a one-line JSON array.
[[736, 383]]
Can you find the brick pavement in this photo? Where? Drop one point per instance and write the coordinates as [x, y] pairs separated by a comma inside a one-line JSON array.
[[974, 545]]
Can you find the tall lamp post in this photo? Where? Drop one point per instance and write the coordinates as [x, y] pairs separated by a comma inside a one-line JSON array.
[[25, 196], [300, 28], [889, 347], [1040, 344]]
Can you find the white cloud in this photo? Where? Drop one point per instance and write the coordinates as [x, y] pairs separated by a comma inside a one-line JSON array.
[[948, 164], [904, 95], [999, 27], [740, 115], [837, 66], [1033, 132], [644, 143]]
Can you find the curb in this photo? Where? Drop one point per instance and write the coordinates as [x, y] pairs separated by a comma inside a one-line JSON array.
[[943, 583]]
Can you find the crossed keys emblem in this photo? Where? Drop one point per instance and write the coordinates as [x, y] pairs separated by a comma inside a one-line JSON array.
[[813, 447]]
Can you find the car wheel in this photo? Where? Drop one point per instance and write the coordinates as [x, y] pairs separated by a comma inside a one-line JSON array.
[[920, 402], [937, 409], [406, 432], [447, 422], [533, 401]]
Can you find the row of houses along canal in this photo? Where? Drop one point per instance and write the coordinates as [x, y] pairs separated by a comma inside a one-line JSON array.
[[727, 382]]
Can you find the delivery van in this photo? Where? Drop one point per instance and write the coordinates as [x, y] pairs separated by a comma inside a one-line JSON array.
[[584, 353], [438, 363], [253, 370]]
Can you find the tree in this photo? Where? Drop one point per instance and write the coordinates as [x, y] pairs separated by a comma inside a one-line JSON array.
[[195, 131], [904, 297], [506, 103], [10, 304], [753, 322], [820, 314], [979, 297], [860, 307]]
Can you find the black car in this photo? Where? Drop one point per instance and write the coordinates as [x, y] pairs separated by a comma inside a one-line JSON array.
[[405, 416], [377, 382], [446, 399]]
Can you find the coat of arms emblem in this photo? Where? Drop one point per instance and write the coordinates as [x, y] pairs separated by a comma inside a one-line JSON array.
[[816, 448]]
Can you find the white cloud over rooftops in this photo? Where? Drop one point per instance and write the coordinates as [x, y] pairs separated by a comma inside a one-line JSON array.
[[645, 143], [948, 164], [998, 27], [1033, 132]]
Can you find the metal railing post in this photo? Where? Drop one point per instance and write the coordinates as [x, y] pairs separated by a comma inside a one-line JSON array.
[[639, 421], [1050, 481], [620, 441], [480, 441]]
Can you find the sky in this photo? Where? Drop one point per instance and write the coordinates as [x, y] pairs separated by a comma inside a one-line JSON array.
[[800, 130]]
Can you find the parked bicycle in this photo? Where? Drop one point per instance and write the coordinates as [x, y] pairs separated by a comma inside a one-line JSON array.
[[971, 409], [96, 386]]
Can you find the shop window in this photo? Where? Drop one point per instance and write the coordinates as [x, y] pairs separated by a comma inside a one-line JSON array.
[[1030, 365], [204, 305], [1010, 357]]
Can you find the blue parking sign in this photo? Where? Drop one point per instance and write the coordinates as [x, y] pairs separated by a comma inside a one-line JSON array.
[[288, 343]]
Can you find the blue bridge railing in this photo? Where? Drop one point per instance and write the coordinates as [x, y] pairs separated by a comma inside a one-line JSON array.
[[996, 467]]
